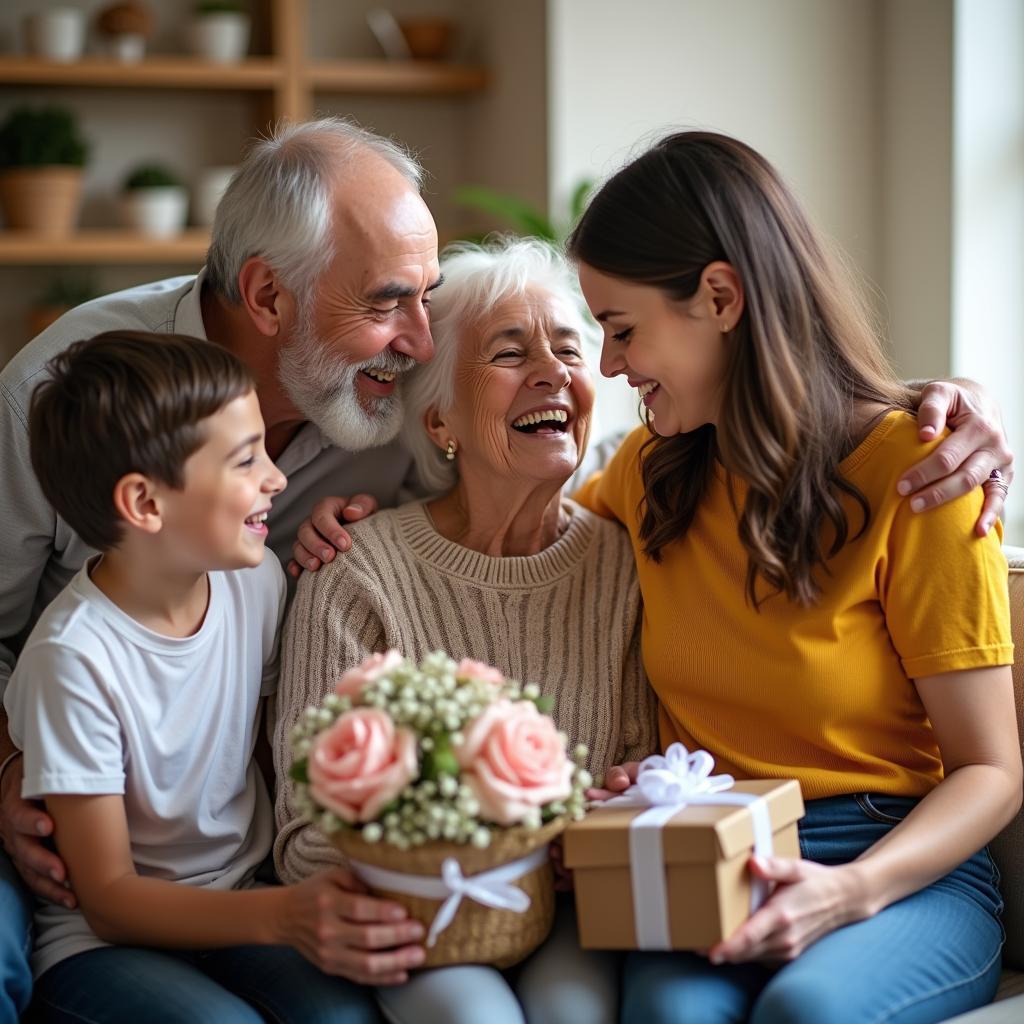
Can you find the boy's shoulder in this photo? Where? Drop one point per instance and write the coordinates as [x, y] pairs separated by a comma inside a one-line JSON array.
[[74, 619]]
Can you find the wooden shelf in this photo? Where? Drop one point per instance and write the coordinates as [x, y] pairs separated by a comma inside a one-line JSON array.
[[259, 73], [407, 77], [151, 73], [108, 246]]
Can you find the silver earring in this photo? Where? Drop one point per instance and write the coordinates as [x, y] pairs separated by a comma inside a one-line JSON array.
[[449, 452]]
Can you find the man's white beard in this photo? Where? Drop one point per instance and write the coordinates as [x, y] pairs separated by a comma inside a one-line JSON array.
[[324, 390]]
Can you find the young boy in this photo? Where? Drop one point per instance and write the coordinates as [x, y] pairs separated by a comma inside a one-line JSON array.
[[137, 702]]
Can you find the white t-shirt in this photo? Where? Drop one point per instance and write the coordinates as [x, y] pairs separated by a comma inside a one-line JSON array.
[[102, 705]]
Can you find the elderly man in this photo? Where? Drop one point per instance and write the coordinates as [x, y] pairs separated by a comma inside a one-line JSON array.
[[319, 275]]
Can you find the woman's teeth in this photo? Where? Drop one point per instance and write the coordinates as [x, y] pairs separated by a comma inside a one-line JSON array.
[[646, 388], [545, 416], [256, 520]]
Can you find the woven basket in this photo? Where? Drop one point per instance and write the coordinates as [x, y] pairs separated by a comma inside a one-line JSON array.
[[478, 934]]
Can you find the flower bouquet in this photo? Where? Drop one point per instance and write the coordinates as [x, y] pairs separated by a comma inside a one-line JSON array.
[[443, 783]]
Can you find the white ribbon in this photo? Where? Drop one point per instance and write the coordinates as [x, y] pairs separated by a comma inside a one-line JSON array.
[[489, 888], [666, 785]]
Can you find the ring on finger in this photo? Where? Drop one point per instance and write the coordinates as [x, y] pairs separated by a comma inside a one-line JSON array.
[[998, 480]]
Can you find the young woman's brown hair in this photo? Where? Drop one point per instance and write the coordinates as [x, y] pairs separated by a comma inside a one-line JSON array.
[[803, 356]]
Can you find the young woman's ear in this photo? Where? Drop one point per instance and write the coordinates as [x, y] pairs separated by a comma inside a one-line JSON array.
[[268, 303], [723, 289], [137, 504]]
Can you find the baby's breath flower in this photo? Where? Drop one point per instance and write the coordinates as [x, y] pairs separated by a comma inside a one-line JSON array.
[[457, 739], [426, 743], [372, 832], [584, 778], [581, 752], [531, 691], [481, 838]]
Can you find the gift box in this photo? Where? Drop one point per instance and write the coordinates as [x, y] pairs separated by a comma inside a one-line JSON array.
[[681, 880]]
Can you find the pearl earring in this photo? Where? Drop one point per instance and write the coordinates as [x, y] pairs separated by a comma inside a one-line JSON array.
[[449, 452]]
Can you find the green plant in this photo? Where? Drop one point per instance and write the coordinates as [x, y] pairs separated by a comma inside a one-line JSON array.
[[150, 176], [41, 138], [525, 219], [220, 7]]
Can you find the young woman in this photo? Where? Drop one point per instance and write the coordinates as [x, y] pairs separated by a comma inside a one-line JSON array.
[[800, 619]]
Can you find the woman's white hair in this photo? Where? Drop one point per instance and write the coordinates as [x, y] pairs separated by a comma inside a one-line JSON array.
[[278, 204], [476, 278]]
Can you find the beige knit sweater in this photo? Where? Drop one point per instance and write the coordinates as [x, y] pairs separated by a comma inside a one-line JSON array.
[[567, 619]]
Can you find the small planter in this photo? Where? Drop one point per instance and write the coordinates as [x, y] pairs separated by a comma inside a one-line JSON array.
[[56, 35], [157, 212], [43, 200], [127, 48], [125, 27], [221, 37]]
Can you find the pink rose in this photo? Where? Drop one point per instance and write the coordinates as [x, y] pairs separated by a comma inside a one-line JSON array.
[[369, 671], [361, 764], [513, 759], [469, 668]]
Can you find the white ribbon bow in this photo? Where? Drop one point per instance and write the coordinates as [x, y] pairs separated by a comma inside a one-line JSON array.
[[666, 785], [490, 888]]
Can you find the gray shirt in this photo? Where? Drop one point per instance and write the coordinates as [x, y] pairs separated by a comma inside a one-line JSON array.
[[39, 552]]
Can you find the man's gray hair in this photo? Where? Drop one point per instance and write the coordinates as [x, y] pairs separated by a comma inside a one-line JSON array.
[[476, 278], [278, 204]]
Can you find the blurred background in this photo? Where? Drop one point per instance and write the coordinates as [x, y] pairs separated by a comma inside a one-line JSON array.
[[900, 123]]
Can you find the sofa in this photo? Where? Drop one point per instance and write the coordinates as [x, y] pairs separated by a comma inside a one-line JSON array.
[[1008, 847]]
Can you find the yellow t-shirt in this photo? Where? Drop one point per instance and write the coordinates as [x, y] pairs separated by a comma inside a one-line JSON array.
[[821, 694]]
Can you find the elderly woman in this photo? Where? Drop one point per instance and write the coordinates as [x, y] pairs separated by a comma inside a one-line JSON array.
[[499, 566]]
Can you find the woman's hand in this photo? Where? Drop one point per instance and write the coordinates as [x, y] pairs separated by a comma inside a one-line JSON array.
[[967, 457], [335, 924], [810, 900], [321, 535], [617, 780]]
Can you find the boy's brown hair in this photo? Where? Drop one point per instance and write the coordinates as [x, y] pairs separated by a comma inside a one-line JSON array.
[[124, 402]]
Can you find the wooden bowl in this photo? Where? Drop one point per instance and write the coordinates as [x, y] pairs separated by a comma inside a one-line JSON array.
[[427, 38]]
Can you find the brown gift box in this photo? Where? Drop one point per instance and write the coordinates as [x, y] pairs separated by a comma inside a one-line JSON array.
[[706, 850]]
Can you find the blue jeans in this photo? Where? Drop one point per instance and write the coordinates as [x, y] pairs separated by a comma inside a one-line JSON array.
[[925, 958], [237, 985], [15, 942]]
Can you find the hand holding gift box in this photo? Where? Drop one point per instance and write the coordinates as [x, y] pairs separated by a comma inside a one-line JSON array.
[[443, 784], [665, 865]]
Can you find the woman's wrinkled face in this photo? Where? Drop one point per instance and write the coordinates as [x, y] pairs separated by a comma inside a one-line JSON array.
[[524, 395]]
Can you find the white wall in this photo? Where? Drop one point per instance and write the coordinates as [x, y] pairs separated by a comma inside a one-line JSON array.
[[797, 79], [988, 209], [916, 182]]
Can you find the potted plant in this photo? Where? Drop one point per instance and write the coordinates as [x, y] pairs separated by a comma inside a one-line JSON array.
[[125, 27], [154, 201], [220, 31], [41, 160]]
